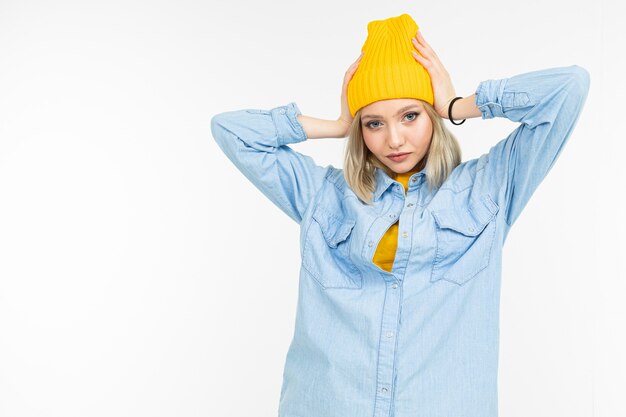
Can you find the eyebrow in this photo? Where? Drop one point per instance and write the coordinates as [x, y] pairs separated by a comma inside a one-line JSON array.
[[403, 109]]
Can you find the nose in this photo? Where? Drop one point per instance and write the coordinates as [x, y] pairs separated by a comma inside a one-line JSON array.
[[395, 138]]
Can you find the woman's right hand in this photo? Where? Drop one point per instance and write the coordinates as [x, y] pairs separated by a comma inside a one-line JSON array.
[[345, 119]]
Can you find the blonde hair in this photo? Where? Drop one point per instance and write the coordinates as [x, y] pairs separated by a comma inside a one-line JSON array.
[[443, 155]]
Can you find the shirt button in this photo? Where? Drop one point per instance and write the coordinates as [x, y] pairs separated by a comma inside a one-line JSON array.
[[282, 111], [410, 205], [471, 229], [392, 216], [370, 243], [414, 179], [383, 390], [394, 286], [389, 334], [405, 234]]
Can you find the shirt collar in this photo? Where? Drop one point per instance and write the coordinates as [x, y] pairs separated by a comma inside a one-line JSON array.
[[383, 181]]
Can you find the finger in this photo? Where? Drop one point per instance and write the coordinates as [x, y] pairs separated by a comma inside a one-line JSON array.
[[420, 37], [423, 42], [417, 55], [348, 75], [354, 64], [417, 44], [423, 50], [351, 70], [421, 54], [419, 58], [431, 56], [423, 61]]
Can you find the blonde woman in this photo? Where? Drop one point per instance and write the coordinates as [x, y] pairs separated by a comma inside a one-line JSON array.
[[401, 250]]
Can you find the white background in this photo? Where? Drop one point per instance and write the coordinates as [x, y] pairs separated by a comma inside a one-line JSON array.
[[142, 275]]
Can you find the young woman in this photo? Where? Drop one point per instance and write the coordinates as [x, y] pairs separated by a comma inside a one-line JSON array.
[[401, 250]]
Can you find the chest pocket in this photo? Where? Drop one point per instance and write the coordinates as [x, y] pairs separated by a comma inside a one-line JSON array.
[[326, 254], [464, 241]]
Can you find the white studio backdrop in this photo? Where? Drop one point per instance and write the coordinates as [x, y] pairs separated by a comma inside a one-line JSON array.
[[142, 275]]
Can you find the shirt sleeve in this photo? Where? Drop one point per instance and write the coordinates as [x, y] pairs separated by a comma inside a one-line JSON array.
[[547, 103], [256, 141]]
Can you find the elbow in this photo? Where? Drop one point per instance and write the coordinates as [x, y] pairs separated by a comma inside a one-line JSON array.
[[220, 129], [221, 133], [581, 80], [223, 128], [216, 126]]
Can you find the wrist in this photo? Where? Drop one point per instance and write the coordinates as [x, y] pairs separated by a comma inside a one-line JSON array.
[[443, 110], [320, 128], [450, 117], [344, 126], [463, 108]]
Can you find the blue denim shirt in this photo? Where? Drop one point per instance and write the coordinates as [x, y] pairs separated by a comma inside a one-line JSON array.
[[421, 340]]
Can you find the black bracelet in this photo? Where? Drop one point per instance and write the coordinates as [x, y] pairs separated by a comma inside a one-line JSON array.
[[450, 111]]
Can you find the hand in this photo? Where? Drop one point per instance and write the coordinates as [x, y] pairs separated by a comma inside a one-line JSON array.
[[345, 119], [443, 90]]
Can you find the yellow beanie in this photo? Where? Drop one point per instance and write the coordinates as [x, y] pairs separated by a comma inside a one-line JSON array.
[[388, 69]]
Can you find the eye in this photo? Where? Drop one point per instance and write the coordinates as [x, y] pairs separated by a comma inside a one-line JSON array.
[[369, 124], [414, 114]]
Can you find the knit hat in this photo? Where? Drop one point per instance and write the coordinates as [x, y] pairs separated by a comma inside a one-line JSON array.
[[388, 69]]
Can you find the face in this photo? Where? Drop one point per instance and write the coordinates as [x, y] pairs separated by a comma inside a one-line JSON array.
[[397, 127]]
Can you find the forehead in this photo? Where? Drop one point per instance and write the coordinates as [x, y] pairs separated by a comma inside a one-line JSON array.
[[389, 107]]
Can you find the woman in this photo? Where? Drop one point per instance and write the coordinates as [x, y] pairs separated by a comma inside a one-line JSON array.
[[398, 305]]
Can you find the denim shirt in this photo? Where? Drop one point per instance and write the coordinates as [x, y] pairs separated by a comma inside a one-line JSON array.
[[423, 339]]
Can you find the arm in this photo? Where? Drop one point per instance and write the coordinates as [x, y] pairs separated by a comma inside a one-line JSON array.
[[548, 104], [319, 128], [464, 108], [256, 141]]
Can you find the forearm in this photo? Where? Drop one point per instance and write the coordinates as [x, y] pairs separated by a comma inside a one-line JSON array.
[[465, 108], [257, 142], [320, 128], [315, 128]]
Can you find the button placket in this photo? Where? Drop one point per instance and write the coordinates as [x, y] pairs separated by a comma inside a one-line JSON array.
[[386, 372]]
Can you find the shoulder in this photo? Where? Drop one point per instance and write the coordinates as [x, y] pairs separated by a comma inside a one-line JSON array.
[[464, 175], [335, 189], [336, 198], [336, 179]]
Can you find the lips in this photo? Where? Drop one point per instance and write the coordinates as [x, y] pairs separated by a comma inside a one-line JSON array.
[[398, 157]]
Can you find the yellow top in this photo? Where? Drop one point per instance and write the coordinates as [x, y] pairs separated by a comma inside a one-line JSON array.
[[386, 250]]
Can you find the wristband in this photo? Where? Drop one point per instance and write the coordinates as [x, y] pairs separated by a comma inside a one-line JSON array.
[[450, 111]]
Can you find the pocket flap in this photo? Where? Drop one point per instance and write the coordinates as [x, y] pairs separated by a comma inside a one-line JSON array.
[[334, 228], [468, 222]]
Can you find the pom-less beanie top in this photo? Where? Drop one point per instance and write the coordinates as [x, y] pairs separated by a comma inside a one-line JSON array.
[[387, 69]]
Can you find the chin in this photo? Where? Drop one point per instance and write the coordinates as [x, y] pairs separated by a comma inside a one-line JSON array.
[[406, 166]]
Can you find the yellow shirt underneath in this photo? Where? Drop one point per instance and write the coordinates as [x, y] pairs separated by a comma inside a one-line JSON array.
[[386, 250]]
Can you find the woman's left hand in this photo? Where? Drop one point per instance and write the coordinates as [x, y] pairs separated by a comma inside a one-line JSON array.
[[443, 90]]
